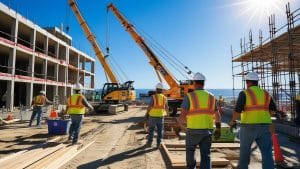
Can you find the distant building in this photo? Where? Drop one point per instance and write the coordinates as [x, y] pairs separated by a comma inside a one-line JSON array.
[[34, 59]]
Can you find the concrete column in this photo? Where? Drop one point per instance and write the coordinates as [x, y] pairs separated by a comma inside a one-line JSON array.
[[77, 66], [15, 30], [46, 45], [92, 81], [56, 50], [10, 94], [93, 67], [33, 39]]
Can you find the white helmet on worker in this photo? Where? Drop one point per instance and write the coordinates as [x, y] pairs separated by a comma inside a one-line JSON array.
[[159, 86], [199, 76], [252, 76], [77, 86], [42, 92]]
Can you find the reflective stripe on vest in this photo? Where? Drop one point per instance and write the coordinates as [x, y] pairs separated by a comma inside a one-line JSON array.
[[75, 105], [39, 100], [256, 110], [201, 112], [158, 108]]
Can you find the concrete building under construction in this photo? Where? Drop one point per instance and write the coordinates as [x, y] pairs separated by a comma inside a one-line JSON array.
[[34, 59], [276, 59]]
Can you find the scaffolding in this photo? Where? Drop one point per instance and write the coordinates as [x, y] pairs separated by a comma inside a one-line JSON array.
[[276, 59]]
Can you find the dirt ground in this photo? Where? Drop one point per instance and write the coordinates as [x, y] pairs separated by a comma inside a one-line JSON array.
[[119, 143]]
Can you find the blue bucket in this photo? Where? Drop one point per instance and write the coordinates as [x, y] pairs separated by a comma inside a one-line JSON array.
[[58, 127]]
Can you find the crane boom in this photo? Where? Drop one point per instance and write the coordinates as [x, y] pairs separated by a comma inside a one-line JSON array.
[[91, 38], [154, 60]]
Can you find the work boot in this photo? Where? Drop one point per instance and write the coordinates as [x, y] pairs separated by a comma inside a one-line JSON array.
[[148, 144]]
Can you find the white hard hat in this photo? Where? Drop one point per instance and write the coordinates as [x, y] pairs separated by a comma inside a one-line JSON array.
[[77, 86], [199, 76], [42, 92], [159, 86], [252, 76]]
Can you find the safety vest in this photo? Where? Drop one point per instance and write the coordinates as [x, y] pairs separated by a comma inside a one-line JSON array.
[[201, 112], [39, 100], [75, 105], [256, 110], [158, 108]]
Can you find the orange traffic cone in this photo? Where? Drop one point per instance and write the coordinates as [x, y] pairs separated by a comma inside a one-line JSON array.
[[53, 114], [10, 117], [277, 150]]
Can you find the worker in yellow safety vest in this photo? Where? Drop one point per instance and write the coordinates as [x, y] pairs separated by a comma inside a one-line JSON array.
[[76, 109], [38, 102], [198, 111], [255, 106], [157, 109]]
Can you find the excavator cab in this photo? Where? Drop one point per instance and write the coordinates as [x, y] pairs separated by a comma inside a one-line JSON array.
[[115, 92]]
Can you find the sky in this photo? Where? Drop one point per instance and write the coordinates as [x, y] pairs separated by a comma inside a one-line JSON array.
[[199, 33]]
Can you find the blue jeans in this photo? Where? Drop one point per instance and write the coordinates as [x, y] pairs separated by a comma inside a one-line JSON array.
[[262, 136], [39, 112], [159, 123], [201, 137], [76, 122]]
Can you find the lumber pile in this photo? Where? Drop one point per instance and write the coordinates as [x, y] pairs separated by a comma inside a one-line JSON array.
[[48, 156], [4, 122]]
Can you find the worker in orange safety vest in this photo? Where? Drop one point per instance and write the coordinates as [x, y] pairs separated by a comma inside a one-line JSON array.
[[38, 103], [157, 109], [76, 104]]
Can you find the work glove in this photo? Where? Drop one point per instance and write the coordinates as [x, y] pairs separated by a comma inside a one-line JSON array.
[[146, 118], [232, 125], [217, 133]]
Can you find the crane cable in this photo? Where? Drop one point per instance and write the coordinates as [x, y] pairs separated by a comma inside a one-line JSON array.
[[166, 53], [165, 58], [111, 58]]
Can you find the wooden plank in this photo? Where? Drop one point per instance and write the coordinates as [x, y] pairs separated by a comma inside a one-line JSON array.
[[59, 158], [214, 162], [30, 157], [214, 145], [166, 152]]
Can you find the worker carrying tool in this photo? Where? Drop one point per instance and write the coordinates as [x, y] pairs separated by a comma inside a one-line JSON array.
[[198, 111], [38, 103], [76, 109], [255, 106], [157, 109]]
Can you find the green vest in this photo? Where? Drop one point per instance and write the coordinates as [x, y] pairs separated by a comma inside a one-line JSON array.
[[158, 108], [256, 110], [201, 112], [75, 105]]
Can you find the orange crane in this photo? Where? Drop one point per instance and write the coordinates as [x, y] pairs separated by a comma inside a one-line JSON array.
[[113, 92], [177, 88]]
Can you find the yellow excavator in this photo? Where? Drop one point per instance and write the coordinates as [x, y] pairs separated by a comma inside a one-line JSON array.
[[177, 88], [113, 92]]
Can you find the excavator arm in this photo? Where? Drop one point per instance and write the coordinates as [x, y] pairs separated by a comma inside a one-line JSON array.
[[91, 38]]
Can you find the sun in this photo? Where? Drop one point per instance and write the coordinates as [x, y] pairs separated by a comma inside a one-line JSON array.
[[259, 10]]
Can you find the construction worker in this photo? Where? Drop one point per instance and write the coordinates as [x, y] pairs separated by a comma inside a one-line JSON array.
[[76, 109], [255, 106], [157, 109], [221, 102], [198, 111], [38, 102]]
